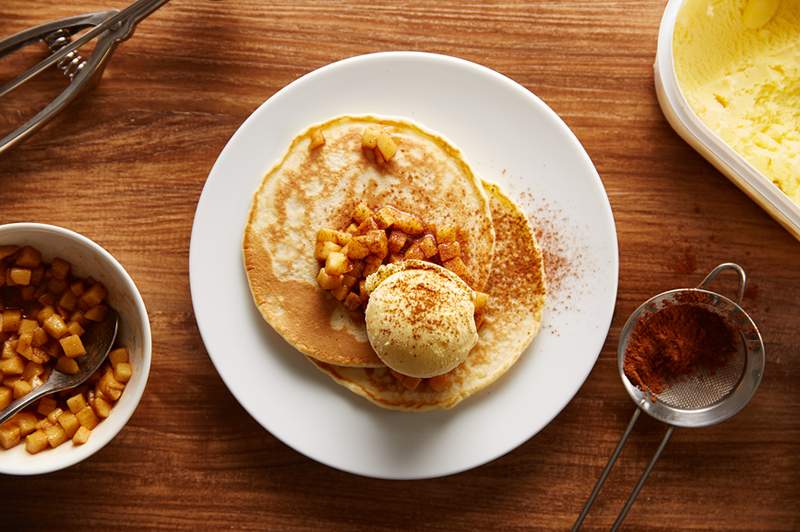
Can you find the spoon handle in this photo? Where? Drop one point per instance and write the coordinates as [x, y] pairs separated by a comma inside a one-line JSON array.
[[22, 402]]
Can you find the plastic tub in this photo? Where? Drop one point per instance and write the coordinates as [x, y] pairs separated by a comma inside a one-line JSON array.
[[689, 126]]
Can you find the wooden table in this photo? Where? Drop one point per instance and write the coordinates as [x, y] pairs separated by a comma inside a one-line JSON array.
[[126, 165]]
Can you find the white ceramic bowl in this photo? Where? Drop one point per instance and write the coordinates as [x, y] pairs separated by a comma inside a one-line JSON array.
[[88, 259]]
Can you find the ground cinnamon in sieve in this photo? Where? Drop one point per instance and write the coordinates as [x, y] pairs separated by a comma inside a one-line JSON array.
[[674, 342]]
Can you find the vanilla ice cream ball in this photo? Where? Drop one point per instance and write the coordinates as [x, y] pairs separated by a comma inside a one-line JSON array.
[[420, 318]]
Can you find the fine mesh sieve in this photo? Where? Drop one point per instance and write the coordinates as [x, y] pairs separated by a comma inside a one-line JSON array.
[[704, 397]]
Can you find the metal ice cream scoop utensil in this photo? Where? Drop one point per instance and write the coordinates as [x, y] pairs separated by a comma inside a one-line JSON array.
[[109, 27], [702, 399], [98, 341]]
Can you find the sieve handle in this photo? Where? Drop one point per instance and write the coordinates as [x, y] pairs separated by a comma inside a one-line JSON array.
[[721, 268], [638, 487], [604, 475]]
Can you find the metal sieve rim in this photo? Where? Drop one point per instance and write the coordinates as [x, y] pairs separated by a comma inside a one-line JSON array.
[[716, 412]]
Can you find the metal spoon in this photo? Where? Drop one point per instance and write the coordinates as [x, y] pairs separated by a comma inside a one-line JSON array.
[[98, 341]]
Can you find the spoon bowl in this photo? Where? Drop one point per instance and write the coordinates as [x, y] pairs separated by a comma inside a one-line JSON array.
[[98, 342]]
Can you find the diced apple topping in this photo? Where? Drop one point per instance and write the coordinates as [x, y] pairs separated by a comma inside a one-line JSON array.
[[44, 311], [378, 145], [381, 236]]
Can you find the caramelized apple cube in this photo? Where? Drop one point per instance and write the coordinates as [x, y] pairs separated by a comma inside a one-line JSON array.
[[72, 346], [94, 295], [397, 239], [81, 436], [11, 320], [55, 435], [356, 248], [76, 403], [371, 265], [55, 326], [340, 293], [323, 249], [410, 224], [414, 251], [68, 300], [317, 139], [326, 235], [336, 263], [409, 383], [349, 280], [480, 300], [367, 225], [385, 217], [352, 229], [77, 288], [445, 234], [45, 313], [36, 354], [24, 344], [328, 282], [46, 405], [67, 365], [56, 286], [449, 251], [35, 442], [9, 349], [377, 243], [69, 423], [32, 369], [357, 269], [59, 268], [369, 138], [28, 257], [123, 372], [386, 146], [21, 388], [12, 366], [439, 383], [6, 396], [118, 355], [26, 422], [52, 417], [101, 407], [362, 213], [40, 337], [96, 313], [37, 274], [20, 276], [87, 418], [352, 301], [9, 436], [456, 266], [74, 327], [428, 246]]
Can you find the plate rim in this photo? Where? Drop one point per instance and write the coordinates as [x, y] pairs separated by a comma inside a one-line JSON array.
[[580, 151]]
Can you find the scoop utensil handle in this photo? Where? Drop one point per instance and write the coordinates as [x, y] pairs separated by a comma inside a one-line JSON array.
[[607, 470]]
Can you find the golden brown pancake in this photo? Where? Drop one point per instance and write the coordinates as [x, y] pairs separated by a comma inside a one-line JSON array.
[[313, 189], [516, 297]]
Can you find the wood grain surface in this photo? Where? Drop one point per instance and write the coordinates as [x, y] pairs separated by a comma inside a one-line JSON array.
[[126, 164]]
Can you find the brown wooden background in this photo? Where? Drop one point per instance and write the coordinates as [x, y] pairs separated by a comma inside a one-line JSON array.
[[126, 165]]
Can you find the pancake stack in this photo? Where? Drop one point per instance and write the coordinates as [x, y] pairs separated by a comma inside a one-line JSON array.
[[316, 187]]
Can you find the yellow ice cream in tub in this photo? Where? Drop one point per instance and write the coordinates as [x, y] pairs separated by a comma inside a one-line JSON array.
[[728, 79]]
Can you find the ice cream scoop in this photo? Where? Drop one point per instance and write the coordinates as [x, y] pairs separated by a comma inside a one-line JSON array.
[[420, 318]]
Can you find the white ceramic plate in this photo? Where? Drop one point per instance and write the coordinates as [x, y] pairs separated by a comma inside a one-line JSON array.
[[509, 136]]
